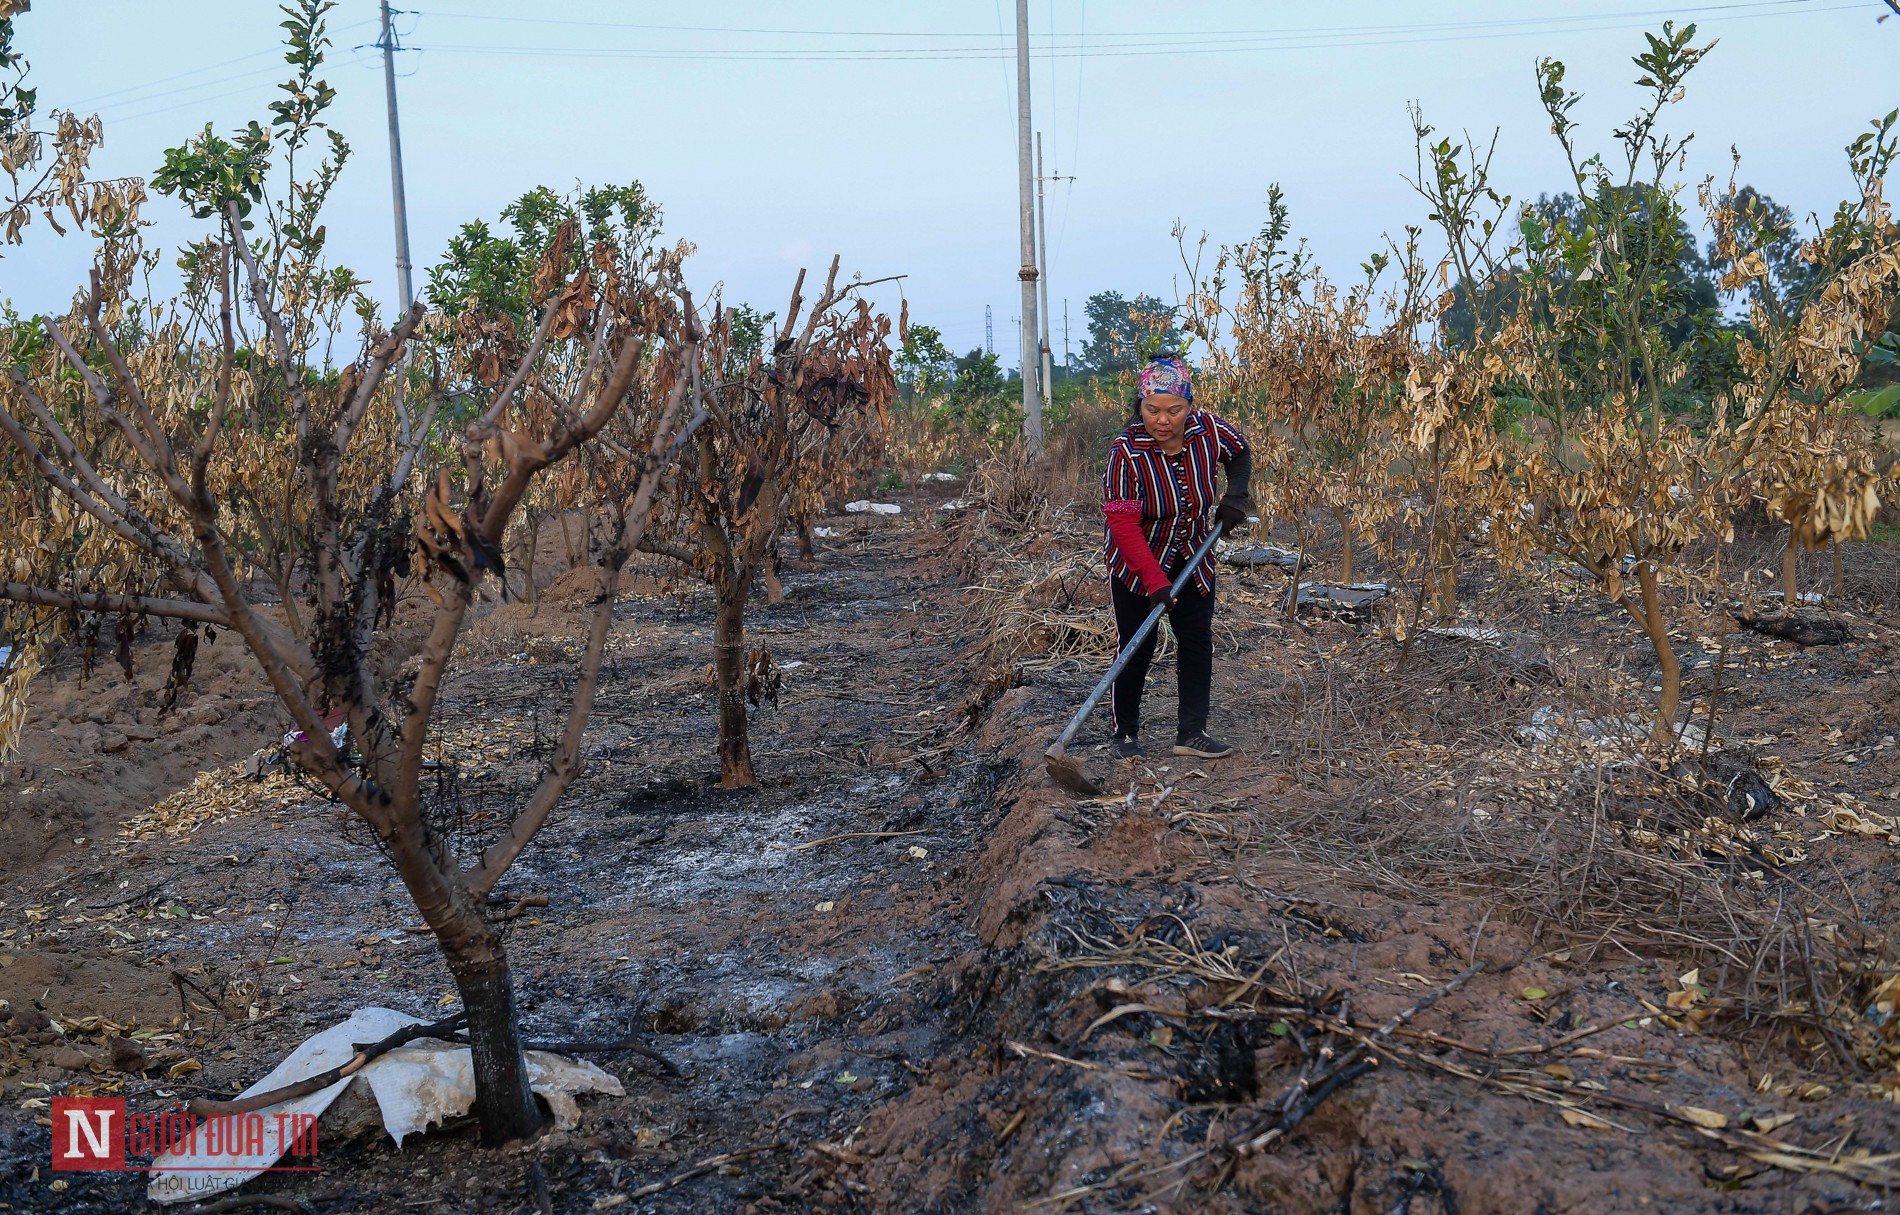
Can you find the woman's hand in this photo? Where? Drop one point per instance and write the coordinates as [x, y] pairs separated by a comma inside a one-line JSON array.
[[1163, 598], [1231, 514]]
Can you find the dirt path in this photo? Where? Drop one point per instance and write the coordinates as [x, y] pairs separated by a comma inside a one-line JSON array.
[[907, 974]]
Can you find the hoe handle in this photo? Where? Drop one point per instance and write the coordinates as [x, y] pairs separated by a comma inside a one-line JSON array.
[[1134, 643]]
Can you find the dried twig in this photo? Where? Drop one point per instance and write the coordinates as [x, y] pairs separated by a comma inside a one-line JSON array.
[[701, 1169], [1022, 1051], [852, 835], [206, 1108]]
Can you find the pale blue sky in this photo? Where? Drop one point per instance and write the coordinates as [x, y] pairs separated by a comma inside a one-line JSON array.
[[777, 133]]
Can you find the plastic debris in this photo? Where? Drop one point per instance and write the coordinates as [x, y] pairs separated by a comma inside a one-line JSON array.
[[1353, 597], [824, 533], [427, 1084], [866, 506], [174, 1177], [1469, 632], [942, 476], [955, 504], [411, 1088], [1262, 554], [1549, 723]]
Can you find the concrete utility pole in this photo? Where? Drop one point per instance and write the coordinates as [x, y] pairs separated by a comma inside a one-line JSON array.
[[989, 332], [403, 282], [1042, 278], [1065, 339], [1032, 395]]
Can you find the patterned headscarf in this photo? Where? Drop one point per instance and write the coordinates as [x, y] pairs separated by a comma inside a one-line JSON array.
[[1167, 373]]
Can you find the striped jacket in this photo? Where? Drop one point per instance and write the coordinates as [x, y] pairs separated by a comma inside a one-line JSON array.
[[1170, 495]]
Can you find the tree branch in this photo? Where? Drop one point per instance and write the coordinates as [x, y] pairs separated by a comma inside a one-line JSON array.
[[227, 353], [154, 433], [87, 601], [501, 506], [495, 407], [157, 457], [660, 548], [130, 526], [497, 857], [273, 324], [383, 356]]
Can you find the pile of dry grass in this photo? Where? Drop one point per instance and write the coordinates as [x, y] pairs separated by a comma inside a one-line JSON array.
[[1038, 612]]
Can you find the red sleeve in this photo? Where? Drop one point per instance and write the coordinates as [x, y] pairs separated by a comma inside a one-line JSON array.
[[1121, 489], [1124, 532]]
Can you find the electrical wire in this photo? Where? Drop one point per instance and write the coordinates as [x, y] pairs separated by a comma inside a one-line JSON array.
[[118, 97], [241, 90], [1145, 35], [88, 102], [118, 112], [1211, 46]]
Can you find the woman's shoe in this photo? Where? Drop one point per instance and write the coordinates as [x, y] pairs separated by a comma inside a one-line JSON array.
[[1202, 746], [1124, 746]]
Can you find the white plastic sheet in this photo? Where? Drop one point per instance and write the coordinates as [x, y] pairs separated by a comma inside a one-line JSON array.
[[414, 1087], [181, 1176]]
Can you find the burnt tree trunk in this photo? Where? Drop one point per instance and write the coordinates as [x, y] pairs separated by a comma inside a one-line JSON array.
[[735, 748], [478, 962], [504, 1104]]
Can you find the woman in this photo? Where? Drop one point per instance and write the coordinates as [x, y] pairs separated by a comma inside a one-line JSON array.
[[1158, 487]]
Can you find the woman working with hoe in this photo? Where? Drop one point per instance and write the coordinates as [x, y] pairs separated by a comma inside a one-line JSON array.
[[1158, 486]]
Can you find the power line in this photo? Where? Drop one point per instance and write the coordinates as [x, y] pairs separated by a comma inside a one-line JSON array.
[[258, 78], [1215, 46], [88, 102], [1145, 35], [1085, 44], [183, 105]]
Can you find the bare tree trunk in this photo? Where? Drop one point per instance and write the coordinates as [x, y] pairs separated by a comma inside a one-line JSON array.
[[1790, 584], [1291, 607], [805, 552], [1788, 575], [530, 542], [1345, 541], [735, 750], [1444, 575], [774, 589], [1647, 612], [1840, 575]]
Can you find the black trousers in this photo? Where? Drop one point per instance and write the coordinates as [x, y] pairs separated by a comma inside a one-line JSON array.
[[1192, 619]]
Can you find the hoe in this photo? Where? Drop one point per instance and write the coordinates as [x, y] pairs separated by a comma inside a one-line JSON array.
[[1066, 769]]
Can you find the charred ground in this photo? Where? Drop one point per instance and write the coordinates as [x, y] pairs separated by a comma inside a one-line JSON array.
[[906, 973]]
